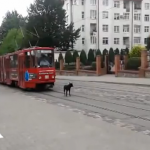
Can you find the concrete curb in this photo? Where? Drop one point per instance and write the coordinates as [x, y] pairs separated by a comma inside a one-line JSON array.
[[134, 84]]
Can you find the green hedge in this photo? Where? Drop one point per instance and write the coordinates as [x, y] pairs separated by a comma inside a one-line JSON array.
[[69, 67], [57, 65], [133, 63]]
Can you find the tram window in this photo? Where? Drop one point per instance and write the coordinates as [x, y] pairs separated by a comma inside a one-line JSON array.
[[33, 58], [27, 59], [15, 60], [11, 62]]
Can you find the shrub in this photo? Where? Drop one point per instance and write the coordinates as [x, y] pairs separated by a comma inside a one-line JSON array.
[[136, 51], [98, 52], [133, 63], [91, 57], [116, 51], [75, 55], [57, 65], [69, 67], [83, 57], [68, 57], [111, 55]]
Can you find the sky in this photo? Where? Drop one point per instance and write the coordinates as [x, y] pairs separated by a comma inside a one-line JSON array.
[[9, 5]]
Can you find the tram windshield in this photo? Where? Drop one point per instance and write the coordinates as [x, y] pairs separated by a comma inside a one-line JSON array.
[[45, 58]]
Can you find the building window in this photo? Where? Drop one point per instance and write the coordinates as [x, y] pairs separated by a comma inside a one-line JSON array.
[[116, 29], [137, 17], [105, 14], [126, 16], [83, 41], [146, 17], [147, 6], [93, 14], [93, 40], [105, 40], [146, 29], [137, 28], [117, 4], [82, 1], [145, 40], [137, 40], [105, 28], [105, 2], [82, 15], [125, 28], [116, 40], [74, 2], [116, 16], [82, 28], [93, 2]]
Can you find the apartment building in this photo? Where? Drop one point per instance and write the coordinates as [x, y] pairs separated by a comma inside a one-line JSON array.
[[109, 23]]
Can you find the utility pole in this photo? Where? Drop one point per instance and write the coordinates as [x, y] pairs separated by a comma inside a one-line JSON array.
[[98, 25], [132, 17]]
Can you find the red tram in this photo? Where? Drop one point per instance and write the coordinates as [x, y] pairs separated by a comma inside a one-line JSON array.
[[28, 68]]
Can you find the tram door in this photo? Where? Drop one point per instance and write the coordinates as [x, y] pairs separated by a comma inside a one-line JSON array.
[[21, 71]]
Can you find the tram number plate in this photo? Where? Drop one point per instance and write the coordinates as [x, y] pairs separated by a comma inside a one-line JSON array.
[[46, 76]]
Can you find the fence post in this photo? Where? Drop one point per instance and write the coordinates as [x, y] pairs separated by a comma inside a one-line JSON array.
[[77, 65], [125, 61], [144, 63], [98, 65], [61, 65], [117, 64]]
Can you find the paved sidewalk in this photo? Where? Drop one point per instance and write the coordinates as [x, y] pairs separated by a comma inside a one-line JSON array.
[[108, 79], [29, 124]]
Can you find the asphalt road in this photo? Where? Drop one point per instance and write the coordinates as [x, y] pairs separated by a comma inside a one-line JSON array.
[[124, 105]]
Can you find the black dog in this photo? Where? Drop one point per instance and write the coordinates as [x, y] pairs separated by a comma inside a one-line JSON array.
[[67, 88]]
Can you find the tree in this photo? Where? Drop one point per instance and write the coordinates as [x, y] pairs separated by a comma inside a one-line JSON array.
[[98, 52], [148, 43], [111, 55], [60, 57], [12, 41], [68, 57], [117, 51], [83, 57], [75, 55], [10, 21], [136, 51], [48, 18], [91, 57]]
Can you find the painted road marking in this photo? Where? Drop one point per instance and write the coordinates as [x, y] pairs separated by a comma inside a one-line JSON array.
[[1, 136]]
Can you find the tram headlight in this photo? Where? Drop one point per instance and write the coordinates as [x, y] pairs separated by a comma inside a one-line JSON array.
[[53, 77]]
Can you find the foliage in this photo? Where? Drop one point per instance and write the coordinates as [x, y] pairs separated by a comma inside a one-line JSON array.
[[69, 67], [111, 55], [121, 54], [136, 51], [133, 63], [126, 51], [75, 55], [91, 57], [57, 65], [68, 57], [83, 57], [12, 41], [148, 43], [117, 51], [105, 51], [60, 57], [10, 21], [98, 52], [48, 18]]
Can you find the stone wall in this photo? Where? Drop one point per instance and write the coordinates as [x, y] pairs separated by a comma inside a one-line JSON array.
[[128, 74]]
